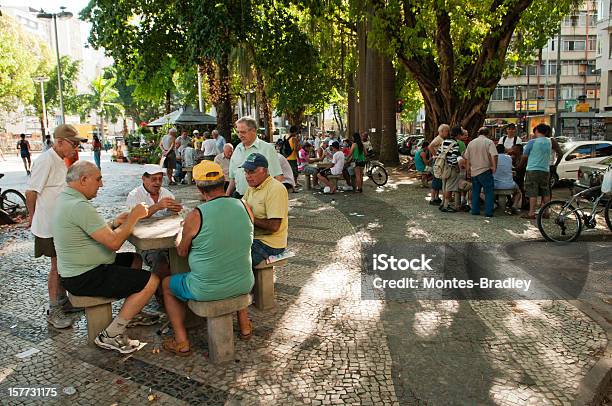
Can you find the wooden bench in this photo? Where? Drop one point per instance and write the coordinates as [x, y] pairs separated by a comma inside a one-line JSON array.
[[264, 284], [188, 176], [98, 312], [218, 315]]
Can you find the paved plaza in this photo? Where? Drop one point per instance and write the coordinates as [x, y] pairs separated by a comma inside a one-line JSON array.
[[323, 343]]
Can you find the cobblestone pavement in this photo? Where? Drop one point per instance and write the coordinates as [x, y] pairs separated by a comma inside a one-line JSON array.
[[323, 344]]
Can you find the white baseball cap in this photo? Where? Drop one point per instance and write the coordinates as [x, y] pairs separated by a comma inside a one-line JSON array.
[[151, 169], [195, 132]]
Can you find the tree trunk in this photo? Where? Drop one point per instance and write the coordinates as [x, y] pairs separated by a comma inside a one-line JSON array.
[[125, 128], [388, 149], [373, 113], [352, 108], [168, 106], [295, 118], [361, 75], [224, 102], [264, 101]]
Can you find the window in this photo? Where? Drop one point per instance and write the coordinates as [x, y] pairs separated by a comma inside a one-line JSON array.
[[582, 152], [566, 92], [602, 150], [551, 93], [610, 44], [503, 93], [552, 68], [592, 43], [598, 45], [574, 45]]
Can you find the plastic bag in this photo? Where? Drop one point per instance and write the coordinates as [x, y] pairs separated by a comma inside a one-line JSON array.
[[606, 183]]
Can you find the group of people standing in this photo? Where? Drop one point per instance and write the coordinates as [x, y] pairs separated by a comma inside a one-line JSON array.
[[462, 167]]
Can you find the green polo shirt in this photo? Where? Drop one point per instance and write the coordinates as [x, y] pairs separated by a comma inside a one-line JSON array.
[[240, 155], [73, 221]]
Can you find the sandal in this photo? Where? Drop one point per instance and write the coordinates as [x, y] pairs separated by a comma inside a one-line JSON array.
[[246, 337], [181, 349]]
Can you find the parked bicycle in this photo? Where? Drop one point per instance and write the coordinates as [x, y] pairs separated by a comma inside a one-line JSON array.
[[376, 171], [563, 221], [12, 202]]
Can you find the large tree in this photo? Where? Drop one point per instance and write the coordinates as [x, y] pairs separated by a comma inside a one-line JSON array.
[[457, 51], [103, 99]]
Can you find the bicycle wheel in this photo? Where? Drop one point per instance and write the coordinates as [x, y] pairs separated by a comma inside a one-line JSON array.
[[563, 224], [608, 212], [378, 174], [13, 202]]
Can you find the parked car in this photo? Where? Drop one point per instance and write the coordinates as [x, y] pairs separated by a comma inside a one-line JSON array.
[[592, 174], [408, 143], [580, 153]]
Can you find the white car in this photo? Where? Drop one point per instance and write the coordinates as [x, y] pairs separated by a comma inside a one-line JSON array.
[[578, 153]]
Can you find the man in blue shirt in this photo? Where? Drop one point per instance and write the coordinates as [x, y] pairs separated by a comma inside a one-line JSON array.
[[538, 151], [503, 180]]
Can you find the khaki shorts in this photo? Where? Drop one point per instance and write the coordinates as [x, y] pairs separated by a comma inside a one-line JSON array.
[[537, 184], [44, 246], [451, 184]]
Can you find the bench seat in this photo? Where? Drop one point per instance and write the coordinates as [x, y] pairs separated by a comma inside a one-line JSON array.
[[218, 315], [264, 284], [98, 312]]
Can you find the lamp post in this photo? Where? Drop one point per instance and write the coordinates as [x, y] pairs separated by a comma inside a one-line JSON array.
[[63, 15], [42, 80]]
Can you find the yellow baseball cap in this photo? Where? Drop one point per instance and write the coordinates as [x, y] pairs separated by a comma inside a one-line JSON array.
[[207, 171]]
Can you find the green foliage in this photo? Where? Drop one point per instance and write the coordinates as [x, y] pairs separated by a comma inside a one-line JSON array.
[[70, 73], [23, 57], [103, 99], [408, 91]]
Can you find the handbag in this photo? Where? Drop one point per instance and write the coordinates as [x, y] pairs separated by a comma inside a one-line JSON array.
[[606, 183]]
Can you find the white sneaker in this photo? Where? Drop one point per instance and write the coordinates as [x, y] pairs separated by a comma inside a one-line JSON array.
[[58, 319], [120, 342]]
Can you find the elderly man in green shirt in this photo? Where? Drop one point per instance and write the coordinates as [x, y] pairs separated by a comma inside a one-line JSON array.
[[87, 261], [247, 132]]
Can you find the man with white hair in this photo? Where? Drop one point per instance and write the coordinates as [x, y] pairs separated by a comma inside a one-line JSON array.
[[223, 160], [250, 143], [87, 260], [47, 181], [160, 202], [219, 140], [168, 153]]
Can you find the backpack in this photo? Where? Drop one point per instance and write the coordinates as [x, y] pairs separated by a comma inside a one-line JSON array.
[[503, 140], [441, 168], [285, 148]]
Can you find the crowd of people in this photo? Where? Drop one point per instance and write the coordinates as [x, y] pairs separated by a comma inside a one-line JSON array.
[[468, 170], [246, 204]]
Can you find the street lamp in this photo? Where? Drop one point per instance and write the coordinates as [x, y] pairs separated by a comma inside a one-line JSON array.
[[62, 15], [42, 80]]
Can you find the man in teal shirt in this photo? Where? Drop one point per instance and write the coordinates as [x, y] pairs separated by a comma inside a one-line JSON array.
[[86, 247], [537, 183], [218, 270]]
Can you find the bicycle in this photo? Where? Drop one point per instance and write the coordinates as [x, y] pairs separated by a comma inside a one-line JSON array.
[[569, 218], [12, 202], [376, 171]]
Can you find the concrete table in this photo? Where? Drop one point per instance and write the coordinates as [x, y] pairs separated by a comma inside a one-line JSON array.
[[158, 233]]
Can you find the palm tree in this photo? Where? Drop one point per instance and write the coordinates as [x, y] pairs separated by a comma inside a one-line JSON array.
[[103, 99]]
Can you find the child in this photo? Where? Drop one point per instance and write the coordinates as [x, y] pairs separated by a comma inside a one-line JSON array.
[[465, 186]]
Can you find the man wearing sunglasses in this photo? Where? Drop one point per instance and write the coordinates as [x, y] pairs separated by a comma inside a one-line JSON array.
[[46, 183]]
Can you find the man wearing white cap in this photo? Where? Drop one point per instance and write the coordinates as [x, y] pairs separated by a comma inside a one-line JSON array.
[[160, 202]]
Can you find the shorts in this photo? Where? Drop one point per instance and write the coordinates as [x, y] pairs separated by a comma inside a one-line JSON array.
[[170, 161], [451, 184], [154, 257], [465, 185], [537, 184], [327, 172], [260, 252], [116, 280], [44, 246], [178, 287], [25, 154], [360, 164], [436, 183]]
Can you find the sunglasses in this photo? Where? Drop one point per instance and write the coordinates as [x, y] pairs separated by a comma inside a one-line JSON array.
[[73, 143]]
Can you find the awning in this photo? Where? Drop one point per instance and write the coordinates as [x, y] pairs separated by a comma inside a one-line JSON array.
[[184, 116]]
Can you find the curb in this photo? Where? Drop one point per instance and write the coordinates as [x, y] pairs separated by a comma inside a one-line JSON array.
[[596, 383]]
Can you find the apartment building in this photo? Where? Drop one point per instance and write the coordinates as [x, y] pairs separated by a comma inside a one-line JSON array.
[[604, 63], [529, 98]]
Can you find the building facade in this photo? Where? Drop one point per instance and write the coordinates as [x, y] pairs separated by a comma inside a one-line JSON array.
[[529, 98], [604, 63]]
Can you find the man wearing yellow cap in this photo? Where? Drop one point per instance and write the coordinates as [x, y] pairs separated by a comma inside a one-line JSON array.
[[47, 181], [217, 270]]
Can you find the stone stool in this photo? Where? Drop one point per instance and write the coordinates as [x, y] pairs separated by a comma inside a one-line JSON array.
[[188, 174], [264, 284], [334, 179], [98, 312], [218, 315]]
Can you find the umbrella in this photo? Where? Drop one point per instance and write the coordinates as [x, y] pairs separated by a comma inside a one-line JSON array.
[[184, 116]]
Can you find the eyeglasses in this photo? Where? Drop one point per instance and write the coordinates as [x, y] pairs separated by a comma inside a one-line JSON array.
[[74, 144]]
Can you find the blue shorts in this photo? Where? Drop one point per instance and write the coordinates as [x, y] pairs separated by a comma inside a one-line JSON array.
[[436, 183], [178, 287]]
